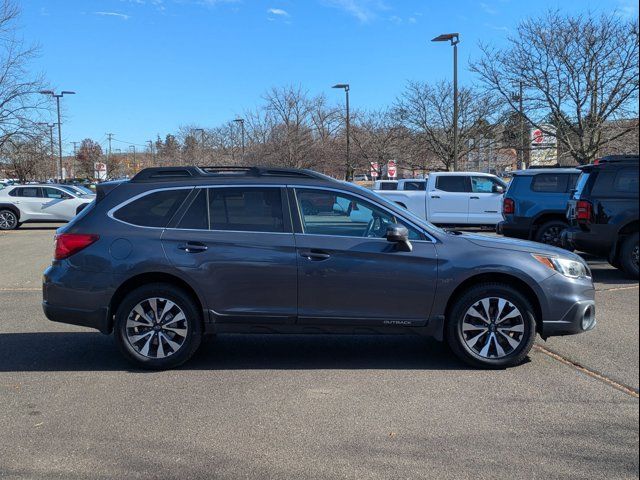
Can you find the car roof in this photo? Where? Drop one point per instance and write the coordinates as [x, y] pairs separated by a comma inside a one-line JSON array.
[[538, 171], [455, 174]]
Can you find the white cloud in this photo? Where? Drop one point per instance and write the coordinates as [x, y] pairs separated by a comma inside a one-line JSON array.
[[488, 8], [364, 10], [279, 12], [113, 14]]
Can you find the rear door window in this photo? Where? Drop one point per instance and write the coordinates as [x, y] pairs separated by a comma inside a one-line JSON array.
[[154, 209], [453, 183], [246, 209], [550, 183], [28, 192]]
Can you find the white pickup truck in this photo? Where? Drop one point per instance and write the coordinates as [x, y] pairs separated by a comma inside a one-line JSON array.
[[459, 198]]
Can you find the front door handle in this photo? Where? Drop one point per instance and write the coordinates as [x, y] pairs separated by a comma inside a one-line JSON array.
[[315, 255], [475, 198], [193, 247], [435, 196]]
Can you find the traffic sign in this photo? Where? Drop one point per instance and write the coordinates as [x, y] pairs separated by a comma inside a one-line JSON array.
[[392, 170]]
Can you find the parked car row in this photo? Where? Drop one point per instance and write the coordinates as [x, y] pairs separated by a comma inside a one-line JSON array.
[[593, 209], [41, 203], [451, 198]]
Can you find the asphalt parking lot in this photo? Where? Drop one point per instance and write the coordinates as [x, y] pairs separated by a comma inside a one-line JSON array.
[[310, 407]]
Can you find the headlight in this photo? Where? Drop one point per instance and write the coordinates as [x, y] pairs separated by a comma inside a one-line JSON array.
[[568, 268]]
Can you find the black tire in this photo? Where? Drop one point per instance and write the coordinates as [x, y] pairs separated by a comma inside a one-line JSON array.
[[192, 322], [550, 233], [8, 219], [628, 258], [471, 298]]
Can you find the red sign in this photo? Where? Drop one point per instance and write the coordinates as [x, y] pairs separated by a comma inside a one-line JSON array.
[[392, 170], [374, 169], [538, 136]]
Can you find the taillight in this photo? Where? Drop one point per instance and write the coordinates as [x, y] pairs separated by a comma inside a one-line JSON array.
[[584, 211], [508, 206], [69, 243]]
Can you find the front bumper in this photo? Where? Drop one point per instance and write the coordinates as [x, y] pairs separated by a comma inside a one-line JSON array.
[[580, 318]]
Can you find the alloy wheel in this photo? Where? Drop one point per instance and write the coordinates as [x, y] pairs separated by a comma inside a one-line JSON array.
[[8, 220], [493, 328], [156, 328]]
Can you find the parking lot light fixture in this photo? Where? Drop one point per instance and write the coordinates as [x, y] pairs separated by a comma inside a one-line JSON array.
[[454, 39], [58, 96], [349, 170]]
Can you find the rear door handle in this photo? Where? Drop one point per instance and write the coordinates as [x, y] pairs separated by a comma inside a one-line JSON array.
[[193, 247], [435, 196], [475, 198], [315, 255]]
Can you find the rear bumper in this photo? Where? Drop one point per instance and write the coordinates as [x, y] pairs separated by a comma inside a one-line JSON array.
[[97, 319], [575, 238], [515, 227]]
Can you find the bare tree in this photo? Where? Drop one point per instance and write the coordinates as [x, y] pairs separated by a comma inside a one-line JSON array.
[[26, 158], [375, 136], [579, 73], [88, 154], [427, 111], [19, 101]]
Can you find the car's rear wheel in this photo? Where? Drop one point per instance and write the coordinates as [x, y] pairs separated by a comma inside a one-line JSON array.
[[550, 233], [158, 326], [8, 220], [629, 254], [491, 325]]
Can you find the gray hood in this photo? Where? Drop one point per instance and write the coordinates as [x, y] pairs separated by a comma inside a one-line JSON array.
[[519, 246]]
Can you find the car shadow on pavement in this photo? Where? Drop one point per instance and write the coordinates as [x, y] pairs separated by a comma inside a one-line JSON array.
[[89, 351]]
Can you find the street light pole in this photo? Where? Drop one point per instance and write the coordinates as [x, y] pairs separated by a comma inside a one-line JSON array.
[[58, 96], [454, 38], [349, 170], [241, 122], [50, 126]]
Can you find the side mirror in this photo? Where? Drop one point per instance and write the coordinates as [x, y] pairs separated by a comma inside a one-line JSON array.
[[497, 189], [399, 235]]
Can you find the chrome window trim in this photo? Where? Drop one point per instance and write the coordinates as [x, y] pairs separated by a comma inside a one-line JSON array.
[[430, 237]]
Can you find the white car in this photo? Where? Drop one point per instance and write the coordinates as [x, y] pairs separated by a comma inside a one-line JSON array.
[[454, 198], [38, 203]]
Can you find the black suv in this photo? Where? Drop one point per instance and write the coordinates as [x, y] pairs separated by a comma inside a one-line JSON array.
[[176, 253], [603, 212], [535, 204]]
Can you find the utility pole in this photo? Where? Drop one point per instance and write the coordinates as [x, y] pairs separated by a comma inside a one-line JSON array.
[[241, 122], [75, 157], [53, 155], [153, 161], [523, 138], [109, 137], [133, 148]]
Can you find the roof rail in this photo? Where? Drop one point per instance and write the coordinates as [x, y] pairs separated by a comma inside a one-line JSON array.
[[616, 159], [156, 174]]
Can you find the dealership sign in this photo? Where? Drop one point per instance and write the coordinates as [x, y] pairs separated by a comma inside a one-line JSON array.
[[374, 169], [544, 147], [100, 171]]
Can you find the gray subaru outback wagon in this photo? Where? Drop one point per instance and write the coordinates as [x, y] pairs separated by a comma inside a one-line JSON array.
[[177, 253]]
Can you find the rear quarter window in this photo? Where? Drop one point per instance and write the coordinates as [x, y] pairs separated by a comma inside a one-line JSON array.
[[550, 183], [152, 210], [626, 182]]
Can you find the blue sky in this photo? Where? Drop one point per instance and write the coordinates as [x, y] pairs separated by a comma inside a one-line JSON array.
[[145, 67]]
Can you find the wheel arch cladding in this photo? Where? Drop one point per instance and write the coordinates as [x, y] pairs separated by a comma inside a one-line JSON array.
[[146, 279]]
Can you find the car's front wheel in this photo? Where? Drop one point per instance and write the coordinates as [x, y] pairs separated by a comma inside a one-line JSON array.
[[491, 325], [158, 326], [8, 220]]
